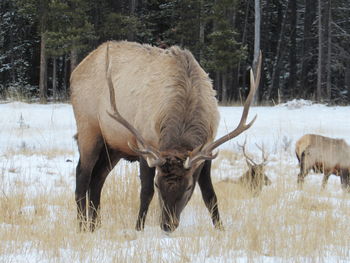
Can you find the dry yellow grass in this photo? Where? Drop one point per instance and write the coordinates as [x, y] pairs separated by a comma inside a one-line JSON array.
[[281, 224], [49, 153]]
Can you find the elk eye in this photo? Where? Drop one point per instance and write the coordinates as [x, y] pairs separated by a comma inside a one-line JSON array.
[[156, 185], [189, 188]]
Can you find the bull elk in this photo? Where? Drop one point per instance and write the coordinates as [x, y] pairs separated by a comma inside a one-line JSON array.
[[254, 178], [151, 105], [323, 155]]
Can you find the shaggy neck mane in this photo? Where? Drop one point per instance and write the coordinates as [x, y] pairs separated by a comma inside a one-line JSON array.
[[184, 123]]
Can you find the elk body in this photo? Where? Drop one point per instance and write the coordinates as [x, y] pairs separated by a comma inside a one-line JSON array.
[[323, 155], [155, 106], [254, 178]]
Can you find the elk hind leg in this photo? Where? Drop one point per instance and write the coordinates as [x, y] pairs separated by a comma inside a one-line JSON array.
[[209, 195], [106, 162], [345, 180], [147, 192], [89, 154]]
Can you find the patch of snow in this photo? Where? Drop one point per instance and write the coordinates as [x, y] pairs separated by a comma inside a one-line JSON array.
[[296, 104]]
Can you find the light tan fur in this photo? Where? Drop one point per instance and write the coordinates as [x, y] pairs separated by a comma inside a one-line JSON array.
[[322, 154], [164, 94], [254, 179]]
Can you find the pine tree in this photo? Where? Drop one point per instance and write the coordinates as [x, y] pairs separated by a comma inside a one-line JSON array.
[[16, 53], [224, 50]]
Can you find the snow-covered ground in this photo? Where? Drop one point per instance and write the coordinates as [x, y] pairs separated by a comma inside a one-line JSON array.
[[38, 151]]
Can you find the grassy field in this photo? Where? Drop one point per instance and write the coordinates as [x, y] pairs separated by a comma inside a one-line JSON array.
[[282, 224]]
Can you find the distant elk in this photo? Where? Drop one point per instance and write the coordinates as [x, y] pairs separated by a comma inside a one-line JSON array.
[[158, 107], [323, 155], [255, 178]]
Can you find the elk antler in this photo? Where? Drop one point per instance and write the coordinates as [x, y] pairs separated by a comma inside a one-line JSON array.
[[205, 152], [148, 150], [264, 156], [248, 159]]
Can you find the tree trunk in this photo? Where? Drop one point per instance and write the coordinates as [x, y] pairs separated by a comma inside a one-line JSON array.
[[73, 58], [256, 43], [65, 75], [239, 66], [201, 32], [320, 67], [12, 59], [54, 81], [293, 51], [132, 3], [276, 64], [307, 45], [347, 77], [224, 94], [43, 70], [329, 50], [218, 85]]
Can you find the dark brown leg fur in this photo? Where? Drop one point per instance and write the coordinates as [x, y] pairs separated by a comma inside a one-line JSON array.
[[209, 195], [147, 192]]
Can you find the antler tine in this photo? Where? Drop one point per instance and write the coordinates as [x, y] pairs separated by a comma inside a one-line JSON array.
[[148, 149], [145, 151], [188, 163], [152, 162], [264, 155], [244, 152]]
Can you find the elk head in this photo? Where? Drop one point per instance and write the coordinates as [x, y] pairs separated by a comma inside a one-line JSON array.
[[177, 171]]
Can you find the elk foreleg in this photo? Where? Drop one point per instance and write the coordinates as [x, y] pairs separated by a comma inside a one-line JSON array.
[[325, 180], [345, 180], [209, 195], [147, 192], [303, 171], [267, 180]]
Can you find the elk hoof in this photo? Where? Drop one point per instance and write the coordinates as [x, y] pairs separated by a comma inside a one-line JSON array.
[[219, 226]]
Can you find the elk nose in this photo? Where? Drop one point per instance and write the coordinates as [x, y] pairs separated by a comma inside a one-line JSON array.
[[169, 227]]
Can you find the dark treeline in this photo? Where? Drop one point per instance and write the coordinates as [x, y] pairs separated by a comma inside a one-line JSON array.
[[305, 43]]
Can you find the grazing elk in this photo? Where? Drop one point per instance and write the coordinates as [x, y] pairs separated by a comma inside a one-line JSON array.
[[254, 179], [156, 106], [323, 155]]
